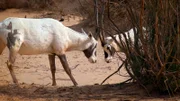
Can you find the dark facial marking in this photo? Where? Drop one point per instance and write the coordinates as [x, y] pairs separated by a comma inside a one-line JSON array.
[[95, 53], [102, 44], [108, 48], [89, 52], [111, 50], [105, 54]]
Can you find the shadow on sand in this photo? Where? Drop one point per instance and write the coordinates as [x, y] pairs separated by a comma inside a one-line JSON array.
[[93, 92]]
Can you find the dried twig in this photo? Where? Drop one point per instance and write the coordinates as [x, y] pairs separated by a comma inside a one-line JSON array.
[[113, 73]]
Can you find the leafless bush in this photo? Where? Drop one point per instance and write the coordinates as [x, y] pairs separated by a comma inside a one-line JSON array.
[[154, 58]]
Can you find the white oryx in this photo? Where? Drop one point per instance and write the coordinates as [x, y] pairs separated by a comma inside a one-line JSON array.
[[44, 36], [110, 46]]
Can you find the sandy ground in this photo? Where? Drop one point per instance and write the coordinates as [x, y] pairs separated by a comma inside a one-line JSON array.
[[34, 76]]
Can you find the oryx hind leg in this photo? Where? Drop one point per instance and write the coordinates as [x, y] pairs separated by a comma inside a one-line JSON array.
[[53, 68]]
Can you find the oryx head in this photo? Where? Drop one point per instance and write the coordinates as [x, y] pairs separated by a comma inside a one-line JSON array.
[[90, 51], [109, 50]]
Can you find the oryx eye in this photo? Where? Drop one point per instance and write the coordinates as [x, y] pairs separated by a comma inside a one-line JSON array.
[[108, 47]]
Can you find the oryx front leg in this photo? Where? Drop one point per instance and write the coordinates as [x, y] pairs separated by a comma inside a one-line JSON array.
[[10, 64], [14, 44], [66, 68], [53, 68]]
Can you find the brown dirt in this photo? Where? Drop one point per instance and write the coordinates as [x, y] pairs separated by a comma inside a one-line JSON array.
[[35, 78]]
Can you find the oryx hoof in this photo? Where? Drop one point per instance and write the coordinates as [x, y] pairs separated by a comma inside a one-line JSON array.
[[54, 84]]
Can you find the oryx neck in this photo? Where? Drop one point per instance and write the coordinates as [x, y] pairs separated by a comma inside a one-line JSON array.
[[78, 41]]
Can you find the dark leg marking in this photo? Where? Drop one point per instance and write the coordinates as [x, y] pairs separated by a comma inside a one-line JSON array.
[[11, 39], [53, 68], [66, 68]]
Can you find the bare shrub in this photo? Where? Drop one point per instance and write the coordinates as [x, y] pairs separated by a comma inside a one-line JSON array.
[[153, 60], [156, 60]]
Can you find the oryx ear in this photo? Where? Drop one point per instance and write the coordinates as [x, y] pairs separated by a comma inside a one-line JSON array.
[[83, 31], [90, 35], [9, 26]]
